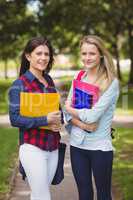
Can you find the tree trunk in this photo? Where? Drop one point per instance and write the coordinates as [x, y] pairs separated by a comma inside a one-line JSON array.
[[118, 69], [17, 68], [6, 69], [130, 82], [117, 61], [130, 35]]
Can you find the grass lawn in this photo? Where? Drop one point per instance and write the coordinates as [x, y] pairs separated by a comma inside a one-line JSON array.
[[8, 152], [11, 65], [125, 102], [124, 106], [4, 87], [123, 163]]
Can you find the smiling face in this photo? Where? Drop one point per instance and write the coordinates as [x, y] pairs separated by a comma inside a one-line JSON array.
[[90, 56], [39, 58]]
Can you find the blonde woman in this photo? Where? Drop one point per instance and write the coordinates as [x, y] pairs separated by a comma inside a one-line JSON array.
[[92, 152]]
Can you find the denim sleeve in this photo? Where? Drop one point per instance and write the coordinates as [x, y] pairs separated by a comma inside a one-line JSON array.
[[109, 98], [68, 116], [14, 110]]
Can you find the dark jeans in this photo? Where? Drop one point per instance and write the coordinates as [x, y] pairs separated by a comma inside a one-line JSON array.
[[86, 162]]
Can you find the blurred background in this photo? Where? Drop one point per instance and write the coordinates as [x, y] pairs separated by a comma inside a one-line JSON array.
[[64, 22]]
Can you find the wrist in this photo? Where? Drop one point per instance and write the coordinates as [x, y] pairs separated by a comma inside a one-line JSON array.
[[82, 126], [69, 109], [73, 112]]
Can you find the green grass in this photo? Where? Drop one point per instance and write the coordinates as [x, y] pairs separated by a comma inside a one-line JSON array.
[[125, 102], [123, 162], [125, 77], [8, 149], [124, 106], [4, 88], [11, 64]]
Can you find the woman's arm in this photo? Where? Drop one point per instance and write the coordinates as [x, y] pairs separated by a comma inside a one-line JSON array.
[[84, 126], [109, 97], [14, 110]]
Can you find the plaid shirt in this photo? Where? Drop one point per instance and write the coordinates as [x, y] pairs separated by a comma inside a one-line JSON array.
[[28, 126]]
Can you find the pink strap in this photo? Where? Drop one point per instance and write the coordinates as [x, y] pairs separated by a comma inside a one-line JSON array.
[[80, 74]]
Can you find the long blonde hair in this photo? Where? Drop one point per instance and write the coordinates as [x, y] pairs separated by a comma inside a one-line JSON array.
[[106, 71]]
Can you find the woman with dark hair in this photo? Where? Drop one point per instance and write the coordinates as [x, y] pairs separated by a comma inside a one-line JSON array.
[[31, 45], [38, 150]]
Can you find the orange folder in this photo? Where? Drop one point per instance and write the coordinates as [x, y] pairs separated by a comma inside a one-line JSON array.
[[38, 104]]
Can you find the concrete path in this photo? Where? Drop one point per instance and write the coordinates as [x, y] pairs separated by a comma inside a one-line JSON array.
[[118, 121], [67, 189], [123, 121]]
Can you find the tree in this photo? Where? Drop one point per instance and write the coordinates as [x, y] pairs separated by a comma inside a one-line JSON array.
[[112, 20], [122, 19], [15, 22], [128, 6]]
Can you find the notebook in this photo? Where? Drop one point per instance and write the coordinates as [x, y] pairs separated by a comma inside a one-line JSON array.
[[38, 104], [85, 95]]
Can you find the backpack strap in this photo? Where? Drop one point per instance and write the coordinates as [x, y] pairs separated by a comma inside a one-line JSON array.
[[80, 74]]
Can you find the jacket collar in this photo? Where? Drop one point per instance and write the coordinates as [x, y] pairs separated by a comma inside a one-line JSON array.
[[30, 76]]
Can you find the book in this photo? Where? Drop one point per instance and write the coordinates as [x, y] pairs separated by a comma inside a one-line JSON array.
[[38, 104], [85, 95]]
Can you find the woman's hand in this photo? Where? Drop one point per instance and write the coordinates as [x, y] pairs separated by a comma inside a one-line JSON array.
[[54, 121], [71, 110], [54, 118], [67, 106], [55, 127], [90, 127], [84, 126]]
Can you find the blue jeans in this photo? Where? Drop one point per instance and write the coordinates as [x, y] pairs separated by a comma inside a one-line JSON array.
[[86, 162]]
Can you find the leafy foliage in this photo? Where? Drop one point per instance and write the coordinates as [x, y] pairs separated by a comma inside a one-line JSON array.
[[64, 23]]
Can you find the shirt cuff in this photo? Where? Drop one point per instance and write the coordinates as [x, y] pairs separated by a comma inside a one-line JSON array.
[[43, 121], [81, 114], [67, 117]]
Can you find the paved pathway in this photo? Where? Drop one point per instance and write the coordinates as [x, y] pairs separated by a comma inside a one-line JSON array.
[[118, 121], [123, 121], [67, 189]]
